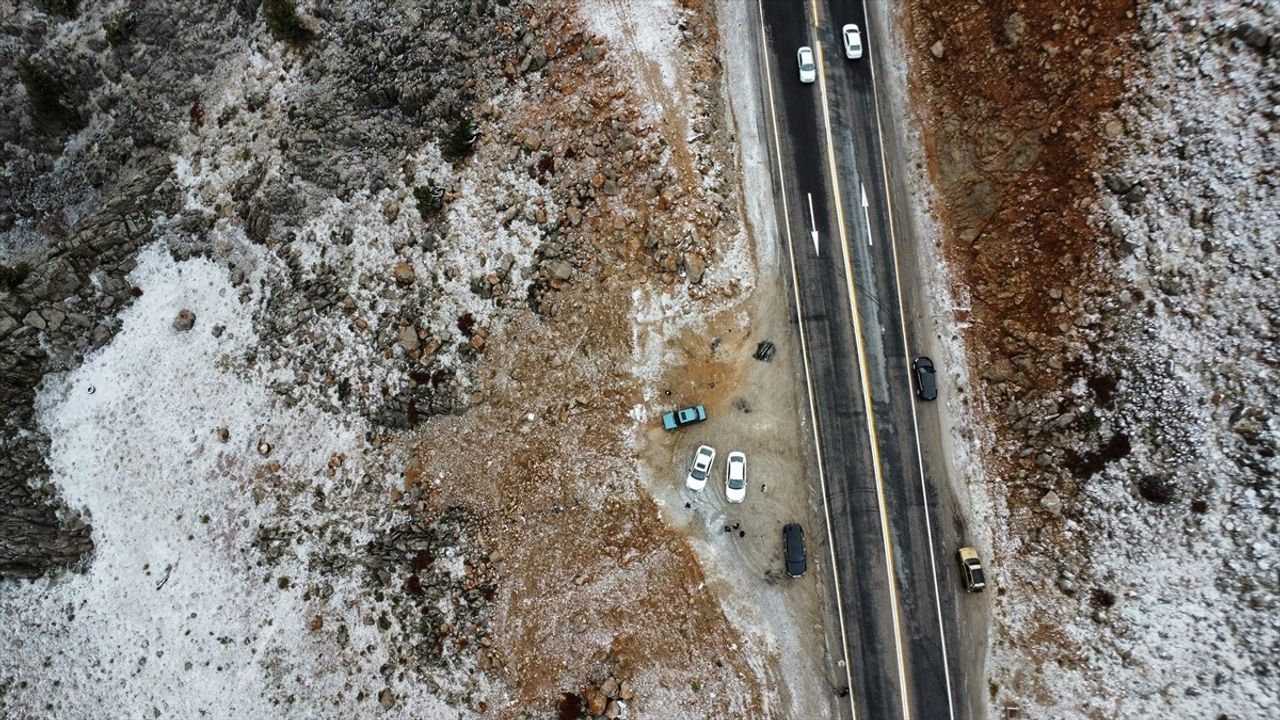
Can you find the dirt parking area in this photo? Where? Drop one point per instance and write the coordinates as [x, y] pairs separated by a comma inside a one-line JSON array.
[[755, 407]]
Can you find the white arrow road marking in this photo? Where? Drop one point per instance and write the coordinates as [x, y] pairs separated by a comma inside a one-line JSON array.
[[813, 225], [866, 211]]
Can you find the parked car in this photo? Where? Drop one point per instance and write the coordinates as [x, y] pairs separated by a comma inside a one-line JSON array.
[[684, 416], [735, 477], [808, 68], [926, 383], [793, 550], [971, 569], [700, 469], [852, 41]]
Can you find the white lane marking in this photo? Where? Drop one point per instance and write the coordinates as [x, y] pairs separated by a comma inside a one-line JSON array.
[[866, 210], [866, 395], [808, 377], [915, 425], [813, 225]]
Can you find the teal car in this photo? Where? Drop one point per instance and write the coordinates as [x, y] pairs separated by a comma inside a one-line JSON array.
[[685, 416]]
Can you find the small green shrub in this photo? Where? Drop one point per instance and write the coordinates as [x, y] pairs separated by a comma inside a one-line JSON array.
[[459, 141], [12, 277], [46, 94], [65, 8], [430, 200], [117, 29], [284, 23]]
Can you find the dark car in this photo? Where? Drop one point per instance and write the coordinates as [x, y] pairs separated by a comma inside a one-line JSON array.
[[926, 384], [685, 416], [793, 550]]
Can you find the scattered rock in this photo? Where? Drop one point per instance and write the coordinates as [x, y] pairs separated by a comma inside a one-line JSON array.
[[408, 338], [386, 698], [1015, 26], [937, 49], [596, 701], [561, 270], [404, 274], [184, 321], [1051, 502], [34, 320]]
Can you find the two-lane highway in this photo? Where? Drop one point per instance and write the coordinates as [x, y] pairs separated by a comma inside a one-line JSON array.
[[897, 622]]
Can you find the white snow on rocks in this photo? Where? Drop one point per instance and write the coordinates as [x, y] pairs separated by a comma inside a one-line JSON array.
[[1174, 583], [172, 612]]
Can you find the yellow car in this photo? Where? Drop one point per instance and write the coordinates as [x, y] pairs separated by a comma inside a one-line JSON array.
[[971, 569]]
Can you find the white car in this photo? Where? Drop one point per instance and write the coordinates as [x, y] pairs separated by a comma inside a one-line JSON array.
[[808, 69], [701, 467], [852, 41], [735, 477]]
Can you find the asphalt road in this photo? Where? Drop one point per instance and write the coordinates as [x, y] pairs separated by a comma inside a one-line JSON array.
[[896, 583]]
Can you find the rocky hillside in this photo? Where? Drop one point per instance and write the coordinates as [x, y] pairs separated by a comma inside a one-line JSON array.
[[1105, 177], [321, 361]]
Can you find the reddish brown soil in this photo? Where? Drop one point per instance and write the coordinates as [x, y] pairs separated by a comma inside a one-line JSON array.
[[591, 582], [1013, 134], [1013, 120]]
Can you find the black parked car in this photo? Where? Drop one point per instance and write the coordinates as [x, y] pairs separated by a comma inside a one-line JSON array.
[[793, 550], [926, 384]]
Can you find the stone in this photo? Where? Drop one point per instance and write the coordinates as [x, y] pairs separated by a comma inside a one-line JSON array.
[[1114, 128], [184, 321], [610, 687], [404, 274], [408, 338], [34, 320], [695, 266], [386, 698], [561, 270], [613, 710], [1015, 26], [54, 317], [596, 701], [1052, 503], [937, 49], [1118, 184], [626, 691]]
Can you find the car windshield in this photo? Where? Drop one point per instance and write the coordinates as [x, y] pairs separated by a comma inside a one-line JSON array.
[[686, 415], [977, 577], [737, 483]]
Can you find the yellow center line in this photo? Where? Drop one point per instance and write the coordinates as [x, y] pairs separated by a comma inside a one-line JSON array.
[[866, 389], [813, 5]]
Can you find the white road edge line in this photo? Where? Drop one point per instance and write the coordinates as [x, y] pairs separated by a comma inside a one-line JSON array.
[[813, 225], [804, 351], [915, 425], [866, 394]]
